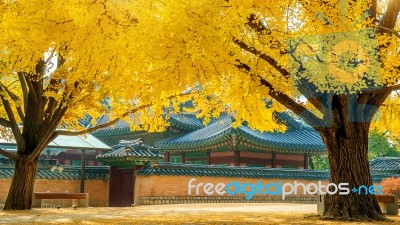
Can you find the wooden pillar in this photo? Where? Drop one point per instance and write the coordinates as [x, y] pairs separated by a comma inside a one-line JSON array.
[[236, 150], [237, 158], [208, 157], [183, 157], [305, 161], [83, 172], [273, 160], [167, 157], [97, 163]]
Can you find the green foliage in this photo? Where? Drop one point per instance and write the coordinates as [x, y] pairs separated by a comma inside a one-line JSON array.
[[379, 145], [320, 162]]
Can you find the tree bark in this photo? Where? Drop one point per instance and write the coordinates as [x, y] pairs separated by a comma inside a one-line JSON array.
[[21, 190], [348, 159]]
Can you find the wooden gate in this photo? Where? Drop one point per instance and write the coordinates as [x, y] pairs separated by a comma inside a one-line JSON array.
[[122, 184]]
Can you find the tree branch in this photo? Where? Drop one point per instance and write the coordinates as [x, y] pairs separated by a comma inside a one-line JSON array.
[[39, 148], [384, 89], [284, 99], [11, 118], [5, 123], [291, 104], [374, 9], [316, 102], [387, 30], [24, 87], [271, 61], [9, 155], [390, 16], [15, 98], [89, 130]]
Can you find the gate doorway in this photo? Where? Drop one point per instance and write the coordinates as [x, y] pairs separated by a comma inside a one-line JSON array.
[[122, 184]]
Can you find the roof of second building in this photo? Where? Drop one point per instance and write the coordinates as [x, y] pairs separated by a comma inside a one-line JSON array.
[[296, 139], [386, 164], [130, 153]]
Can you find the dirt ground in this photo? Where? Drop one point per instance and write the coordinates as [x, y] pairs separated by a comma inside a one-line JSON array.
[[282, 213]]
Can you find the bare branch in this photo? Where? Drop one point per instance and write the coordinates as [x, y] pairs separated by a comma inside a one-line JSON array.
[[11, 118], [384, 89], [284, 99], [387, 30], [110, 123], [271, 61], [39, 148], [390, 16], [9, 155], [24, 88], [15, 98], [393, 88], [89, 130], [374, 9], [5, 123]]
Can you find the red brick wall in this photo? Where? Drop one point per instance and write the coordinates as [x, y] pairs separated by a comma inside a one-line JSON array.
[[178, 185], [174, 189], [97, 189]]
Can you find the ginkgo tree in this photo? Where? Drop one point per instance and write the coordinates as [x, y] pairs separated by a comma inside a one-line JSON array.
[[341, 56], [60, 60]]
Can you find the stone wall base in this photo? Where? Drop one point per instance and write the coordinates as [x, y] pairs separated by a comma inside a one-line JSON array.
[[220, 199]]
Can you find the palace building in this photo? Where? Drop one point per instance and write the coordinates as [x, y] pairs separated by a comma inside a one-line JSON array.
[[188, 141]]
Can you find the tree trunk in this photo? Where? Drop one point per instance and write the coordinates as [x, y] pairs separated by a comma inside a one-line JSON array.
[[348, 159], [21, 190]]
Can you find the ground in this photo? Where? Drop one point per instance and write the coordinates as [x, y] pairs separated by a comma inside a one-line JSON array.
[[233, 213]]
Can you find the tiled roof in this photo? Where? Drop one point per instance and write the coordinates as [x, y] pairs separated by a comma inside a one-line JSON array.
[[386, 164], [85, 121], [121, 127], [168, 169], [213, 133], [68, 173], [62, 142], [297, 138], [292, 139], [130, 153], [185, 122]]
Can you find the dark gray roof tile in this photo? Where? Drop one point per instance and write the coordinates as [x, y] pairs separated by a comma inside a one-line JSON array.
[[68, 173], [135, 149], [168, 169], [385, 164]]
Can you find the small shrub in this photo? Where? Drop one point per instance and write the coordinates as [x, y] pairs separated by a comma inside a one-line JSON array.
[[391, 186]]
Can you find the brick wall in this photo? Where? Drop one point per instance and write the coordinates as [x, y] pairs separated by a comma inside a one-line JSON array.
[[174, 189], [151, 190], [97, 189]]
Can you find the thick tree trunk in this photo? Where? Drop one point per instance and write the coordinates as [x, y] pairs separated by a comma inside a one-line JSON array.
[[21, 190], [348, 159]]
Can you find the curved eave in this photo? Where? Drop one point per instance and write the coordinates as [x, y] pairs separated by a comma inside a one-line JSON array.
[[180, 144], [129, 158], [129, 161], [224, 138], [304, 141], [185, 123]]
